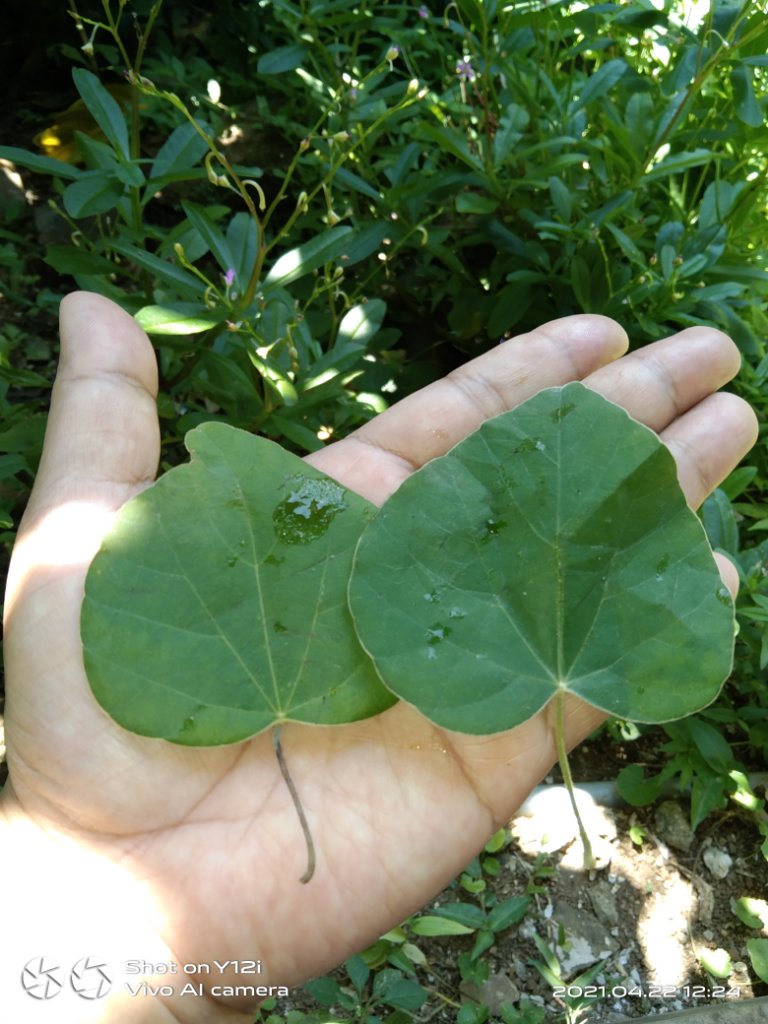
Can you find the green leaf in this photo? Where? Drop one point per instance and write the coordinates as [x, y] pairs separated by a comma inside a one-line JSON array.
[[470, 202], [215, 606], [183, 148], [361, 323], [507, 913], [94, 192], [405, 995], [130, 173], [211, 234], [351, 180], [358, 972], [105, 110], [712, 745], [758, 953], [431, 926], [496, 842], [243, 241], [292, 265], [747, 109], [325, 991], [706, 796], [40, 164], [468, 914], [749, 911], [552, 550], [626, 245], [484, 940], [285, 58], [511, 127], [186, 284], [720, 522], [162, 320], [638, 118], [717, 961], [680, 162], [636, 789], [737, 482], [529, 1013], [294, 431], [561, 197], [70, 259], [600, 83], [581, 282], [452, 142], [512, 304]]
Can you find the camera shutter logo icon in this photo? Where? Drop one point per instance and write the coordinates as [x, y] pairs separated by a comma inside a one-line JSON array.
[[91, 977], [42, 978]]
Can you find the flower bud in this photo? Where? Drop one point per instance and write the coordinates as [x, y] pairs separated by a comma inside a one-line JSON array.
[[304, 145], [653, 260], [333, 218], [678, 260], [341, 136], [413, 86], [393, 52], [302, 203]]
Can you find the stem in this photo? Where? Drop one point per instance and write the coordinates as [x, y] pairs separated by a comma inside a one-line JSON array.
[[297, 804], [589, 858]]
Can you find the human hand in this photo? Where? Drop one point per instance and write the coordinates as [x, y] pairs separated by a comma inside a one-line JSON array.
[[206, 841]]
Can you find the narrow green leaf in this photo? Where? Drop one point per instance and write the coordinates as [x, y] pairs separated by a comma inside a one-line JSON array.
[[70, 259], [568, 560], [720, 522], [679, 162], [432, 926], [581, 282], [561, 197], [356, 183], [468, 914], [308, 257], [162, 320], [626, 245], [712, 746], [747, 109], [105, 109], [94, 192], [215, 606], [285, 58], [600, 83], [507, 913], [470, 202], [40, 164], [211, 234], [186, 284], [452, 142], [361, 323], [511, 127], [243, 241], [183, 148]]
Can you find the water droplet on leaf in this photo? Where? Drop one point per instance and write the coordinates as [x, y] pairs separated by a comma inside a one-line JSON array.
[[308, 511]]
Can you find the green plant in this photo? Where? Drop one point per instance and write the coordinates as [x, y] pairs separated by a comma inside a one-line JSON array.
[[551, 971], [388, 988]]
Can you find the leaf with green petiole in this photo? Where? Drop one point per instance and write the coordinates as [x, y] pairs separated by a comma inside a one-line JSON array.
[[552, 551]]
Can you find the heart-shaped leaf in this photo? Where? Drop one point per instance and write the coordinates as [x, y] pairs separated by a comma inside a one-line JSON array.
[[552, 550], [216, 605]]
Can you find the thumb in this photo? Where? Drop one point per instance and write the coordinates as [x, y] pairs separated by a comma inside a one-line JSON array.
[[102, 442]]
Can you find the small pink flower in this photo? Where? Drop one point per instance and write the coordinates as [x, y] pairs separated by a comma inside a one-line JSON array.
[[423, 11], [465, 71], [229, 277]]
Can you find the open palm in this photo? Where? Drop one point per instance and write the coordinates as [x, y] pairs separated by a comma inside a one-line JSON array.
[[207, 840]]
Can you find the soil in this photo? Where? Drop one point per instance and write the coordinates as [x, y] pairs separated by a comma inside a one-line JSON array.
[[668, 904]]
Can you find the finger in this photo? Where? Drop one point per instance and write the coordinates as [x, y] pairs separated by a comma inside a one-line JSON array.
[[102, 441], [710, 441], [729, 572], [429, 423], [661, 381]]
